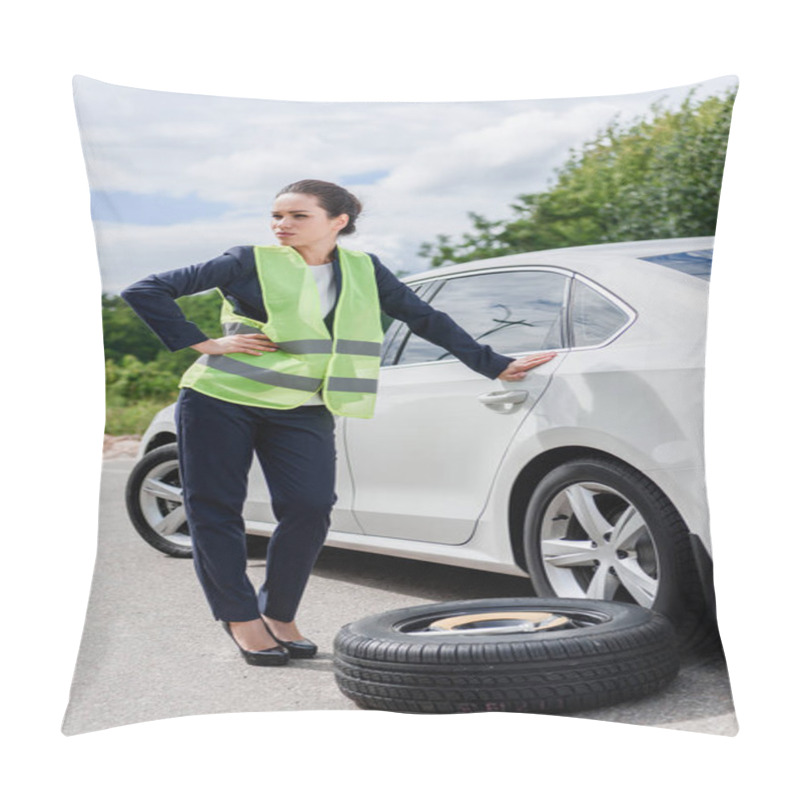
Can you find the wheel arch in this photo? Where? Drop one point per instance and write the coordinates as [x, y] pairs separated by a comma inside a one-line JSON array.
[[160, 439], [528, 479]]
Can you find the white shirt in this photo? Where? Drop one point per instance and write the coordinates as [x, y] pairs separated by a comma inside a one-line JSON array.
[[326, 286]]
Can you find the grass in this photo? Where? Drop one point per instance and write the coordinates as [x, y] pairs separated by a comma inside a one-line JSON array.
[[131, 419]]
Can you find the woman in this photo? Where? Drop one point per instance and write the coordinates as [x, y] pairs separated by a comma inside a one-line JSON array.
[[302, 342]]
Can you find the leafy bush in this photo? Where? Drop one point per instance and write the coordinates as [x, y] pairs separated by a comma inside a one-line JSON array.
[[141, 374], [131, 418], [133, 380]]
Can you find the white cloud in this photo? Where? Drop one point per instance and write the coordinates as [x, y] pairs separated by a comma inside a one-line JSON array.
[[518, 152], [443, 160]]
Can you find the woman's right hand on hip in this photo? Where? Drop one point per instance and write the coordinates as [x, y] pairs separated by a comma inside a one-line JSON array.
[[253, 344]]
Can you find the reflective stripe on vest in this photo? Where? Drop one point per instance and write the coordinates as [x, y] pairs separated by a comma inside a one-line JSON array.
[[351, 346], [270, 377], [344, 367]]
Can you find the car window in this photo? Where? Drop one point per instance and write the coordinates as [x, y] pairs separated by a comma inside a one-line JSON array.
[[513, 312], [594, 318], [394, 330]]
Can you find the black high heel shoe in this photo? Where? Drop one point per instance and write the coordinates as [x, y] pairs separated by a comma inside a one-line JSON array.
[[271, 657], [299, 648]]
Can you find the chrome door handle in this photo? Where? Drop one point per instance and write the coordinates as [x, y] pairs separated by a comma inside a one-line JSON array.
[[503, 398]]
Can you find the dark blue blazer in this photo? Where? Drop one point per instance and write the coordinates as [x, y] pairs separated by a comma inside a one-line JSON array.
[[234, 273]]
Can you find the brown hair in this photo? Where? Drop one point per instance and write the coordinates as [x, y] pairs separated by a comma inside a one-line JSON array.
[[333, 198]]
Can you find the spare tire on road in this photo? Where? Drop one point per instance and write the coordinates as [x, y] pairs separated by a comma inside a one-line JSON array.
[[507, 654]]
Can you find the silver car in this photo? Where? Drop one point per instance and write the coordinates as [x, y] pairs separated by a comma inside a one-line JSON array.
[[587, 476]]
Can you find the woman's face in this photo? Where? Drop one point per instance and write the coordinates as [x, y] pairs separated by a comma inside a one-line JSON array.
[[298, 220]]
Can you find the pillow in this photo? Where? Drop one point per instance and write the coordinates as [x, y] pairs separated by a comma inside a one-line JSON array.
[[581, 227]]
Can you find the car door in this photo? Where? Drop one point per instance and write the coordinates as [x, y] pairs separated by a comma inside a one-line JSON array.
[[422, 468], [258, 506]]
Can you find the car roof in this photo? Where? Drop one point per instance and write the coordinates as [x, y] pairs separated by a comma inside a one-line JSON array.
[[606, 263]]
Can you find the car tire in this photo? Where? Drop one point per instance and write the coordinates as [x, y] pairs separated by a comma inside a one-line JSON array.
[[505, 654], [598, 529], [153, 496]]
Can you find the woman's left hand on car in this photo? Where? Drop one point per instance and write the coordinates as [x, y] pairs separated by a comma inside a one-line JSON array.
[[519, 368]]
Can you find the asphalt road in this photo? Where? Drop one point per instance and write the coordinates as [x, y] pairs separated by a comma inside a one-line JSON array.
[[150, 649]]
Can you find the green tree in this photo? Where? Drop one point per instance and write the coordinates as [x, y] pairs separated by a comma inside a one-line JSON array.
[[125, 334], [659, 177], [131, 379], [141, 374]]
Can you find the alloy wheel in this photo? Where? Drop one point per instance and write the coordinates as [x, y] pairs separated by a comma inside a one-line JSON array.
[[594, 543], [161, 503]]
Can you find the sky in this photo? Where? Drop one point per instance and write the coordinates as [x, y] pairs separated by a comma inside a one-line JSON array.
[[176, 179]]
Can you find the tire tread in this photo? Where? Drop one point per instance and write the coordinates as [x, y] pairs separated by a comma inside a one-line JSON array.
[[552, 675]]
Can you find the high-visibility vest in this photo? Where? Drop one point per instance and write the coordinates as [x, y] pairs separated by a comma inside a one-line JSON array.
[[344, 367]]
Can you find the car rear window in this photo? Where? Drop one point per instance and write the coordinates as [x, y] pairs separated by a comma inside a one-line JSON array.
[[692, 262]]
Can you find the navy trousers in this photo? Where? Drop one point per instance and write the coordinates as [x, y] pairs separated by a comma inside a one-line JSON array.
[[296, 450]]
